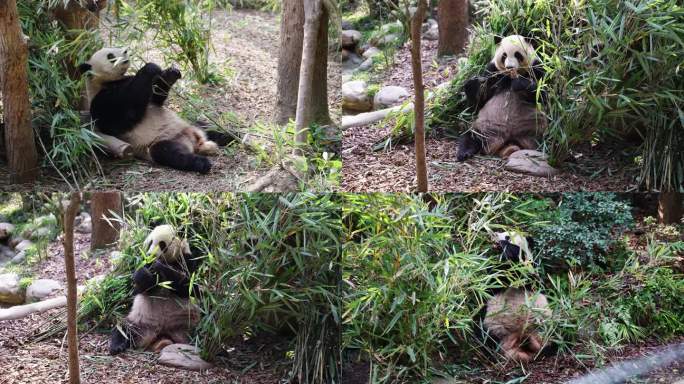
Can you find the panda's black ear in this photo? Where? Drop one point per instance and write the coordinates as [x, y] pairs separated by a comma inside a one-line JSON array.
[[162, 246], [84, 67], [533, 42], [497, 39]]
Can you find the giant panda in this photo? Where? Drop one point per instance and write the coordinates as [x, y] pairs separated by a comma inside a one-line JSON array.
[[504, 100], [162, 312], [513, 314], [131, 108]]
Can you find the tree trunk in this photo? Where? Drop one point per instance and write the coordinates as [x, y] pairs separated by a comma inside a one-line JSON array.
[[313, 10], [419, 104], [453, 24], [289, 66], [669, 207], [102, 205], [72, 294], [289, 58], [22, 156]]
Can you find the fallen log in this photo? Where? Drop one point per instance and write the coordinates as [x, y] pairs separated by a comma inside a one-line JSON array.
[[374, 116]]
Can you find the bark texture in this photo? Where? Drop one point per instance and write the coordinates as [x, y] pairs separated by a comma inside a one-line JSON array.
[[290, 65], [313, 10], [22, 156], [453, 27], [72, 293], [419, 103], [102, 204], [289, 58], [669, 207]]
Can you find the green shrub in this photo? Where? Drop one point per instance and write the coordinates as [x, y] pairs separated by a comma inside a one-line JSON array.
[[272, 264], [585, 227]]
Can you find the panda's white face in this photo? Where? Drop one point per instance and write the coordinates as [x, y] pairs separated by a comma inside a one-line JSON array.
[[163, 241], [514, 54], [109, 64]]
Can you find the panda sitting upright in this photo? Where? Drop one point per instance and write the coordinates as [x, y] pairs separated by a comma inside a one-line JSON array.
[[162, 313], [131, 108], [514, 314], [505, 102]]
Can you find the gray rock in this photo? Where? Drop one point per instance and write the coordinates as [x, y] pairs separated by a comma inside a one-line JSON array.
[[390, 96], [346, 24], [14, 241], [19, 258], [388, 40], [366, 65], [350, 38], [23, 245], [10, 291], [6, 230], [83, 223], [40, 233], [355, 96], [42, 289], [530, 162], [183, 356], [371, 52], [6, 252], [432, 33]]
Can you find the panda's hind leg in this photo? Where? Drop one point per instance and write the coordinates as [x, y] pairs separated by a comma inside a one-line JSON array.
[[469, 145], [511, 347], [177, 155]]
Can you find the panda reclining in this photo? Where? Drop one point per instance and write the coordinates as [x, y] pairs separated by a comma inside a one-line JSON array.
[[131, 108], [162, 313]]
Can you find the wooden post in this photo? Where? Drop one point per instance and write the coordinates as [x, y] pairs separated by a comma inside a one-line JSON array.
[[419, 104], [72, 293], [105, 232], [669, 207], [22, 156]]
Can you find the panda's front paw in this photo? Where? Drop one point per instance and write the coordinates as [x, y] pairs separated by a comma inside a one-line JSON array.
[[151, 69], [172, 74]]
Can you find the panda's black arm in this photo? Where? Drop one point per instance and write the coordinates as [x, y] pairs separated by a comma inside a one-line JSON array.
[[144, 279], [121, 104], [163, 84], [527, 86]]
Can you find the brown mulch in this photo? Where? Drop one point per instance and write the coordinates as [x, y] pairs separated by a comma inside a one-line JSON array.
[[597, 169], [594, 169]]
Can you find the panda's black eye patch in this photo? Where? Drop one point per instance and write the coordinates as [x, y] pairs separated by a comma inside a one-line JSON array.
[[110, 56], [508, 238], [503, 57], [519, 56]]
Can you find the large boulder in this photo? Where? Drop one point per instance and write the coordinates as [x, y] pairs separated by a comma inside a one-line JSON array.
[[6, 230], [23, 245], [530, 162], [10, 289], [42, 289], [350, 38], [388, 40], [390, 96], [40, 233], [183, 356], [19, 258], [431, 30], [371, 52], [355, 96], [366, 65], [6, 253]]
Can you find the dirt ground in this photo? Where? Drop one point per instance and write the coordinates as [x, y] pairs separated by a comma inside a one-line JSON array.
[[245, 48], [591, 169], [259, 360]]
